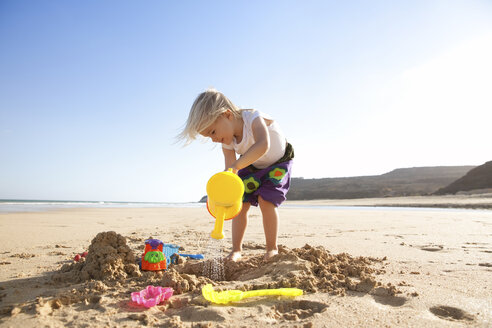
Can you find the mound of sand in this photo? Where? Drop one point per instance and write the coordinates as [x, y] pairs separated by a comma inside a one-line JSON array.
[[313, 269], [109, 259]]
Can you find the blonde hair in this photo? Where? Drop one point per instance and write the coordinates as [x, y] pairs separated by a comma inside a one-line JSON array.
[[206, 108]]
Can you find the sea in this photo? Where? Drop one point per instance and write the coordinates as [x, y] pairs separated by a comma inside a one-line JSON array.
[[16, 206]]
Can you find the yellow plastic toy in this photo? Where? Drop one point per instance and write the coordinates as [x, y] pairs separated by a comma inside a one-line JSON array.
[[229, 296], [225, 199]]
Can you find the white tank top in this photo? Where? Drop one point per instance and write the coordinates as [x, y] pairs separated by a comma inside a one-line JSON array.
[[277, 139]]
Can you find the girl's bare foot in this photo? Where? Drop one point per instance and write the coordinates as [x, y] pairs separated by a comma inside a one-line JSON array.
[[270, 254], [233, 256]]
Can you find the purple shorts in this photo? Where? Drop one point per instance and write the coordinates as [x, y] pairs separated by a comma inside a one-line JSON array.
[[271, 183]]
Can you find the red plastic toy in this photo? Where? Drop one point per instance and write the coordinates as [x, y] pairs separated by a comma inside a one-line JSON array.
[[153, 258]]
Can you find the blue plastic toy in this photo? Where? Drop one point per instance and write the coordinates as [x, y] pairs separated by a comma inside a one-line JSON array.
[[169, 250], [192, 256], [174, 257]]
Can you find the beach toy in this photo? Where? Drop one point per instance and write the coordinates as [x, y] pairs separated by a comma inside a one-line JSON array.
[[169, 250], [174, 257], [151, 296], [229, 296], [159, 255], [224, 199], [192, 256], [79, 256], [153, 258]]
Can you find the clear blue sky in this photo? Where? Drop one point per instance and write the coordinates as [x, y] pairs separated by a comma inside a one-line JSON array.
[[92, 93]]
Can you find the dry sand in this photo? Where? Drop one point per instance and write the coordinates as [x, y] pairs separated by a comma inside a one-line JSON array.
[[358, 267]]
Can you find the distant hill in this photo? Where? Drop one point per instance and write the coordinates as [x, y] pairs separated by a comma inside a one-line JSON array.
[[479, 177], [400, 182]]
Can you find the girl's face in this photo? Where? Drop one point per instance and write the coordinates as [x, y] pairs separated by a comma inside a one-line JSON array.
[[221, 130]]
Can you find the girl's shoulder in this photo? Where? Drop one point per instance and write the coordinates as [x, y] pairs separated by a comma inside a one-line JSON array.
[[250, 114]]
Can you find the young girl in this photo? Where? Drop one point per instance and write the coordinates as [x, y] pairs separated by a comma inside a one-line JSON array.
[[264, 165]]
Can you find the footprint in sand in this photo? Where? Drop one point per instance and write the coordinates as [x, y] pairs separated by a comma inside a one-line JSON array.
[[298, 310], [394, 301], [426, 247], [451, 313], [23, 255], [488, 265], [431, 248]]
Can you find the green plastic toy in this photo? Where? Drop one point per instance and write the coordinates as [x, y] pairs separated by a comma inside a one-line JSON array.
[[154, 257], [229, 296]]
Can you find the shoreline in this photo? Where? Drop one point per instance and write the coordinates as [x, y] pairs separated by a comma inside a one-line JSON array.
[[472, 202]]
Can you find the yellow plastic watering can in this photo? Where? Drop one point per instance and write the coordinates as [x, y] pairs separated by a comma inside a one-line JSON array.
[[225, 199]]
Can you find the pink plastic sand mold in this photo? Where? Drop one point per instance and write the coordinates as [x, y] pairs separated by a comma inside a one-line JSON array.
[[152, 296]]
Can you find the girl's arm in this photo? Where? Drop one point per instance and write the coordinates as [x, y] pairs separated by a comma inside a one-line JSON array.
[[259, 148], [229, 157]]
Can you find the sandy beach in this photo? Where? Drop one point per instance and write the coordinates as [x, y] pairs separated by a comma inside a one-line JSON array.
[[358, 267], [473, 201]]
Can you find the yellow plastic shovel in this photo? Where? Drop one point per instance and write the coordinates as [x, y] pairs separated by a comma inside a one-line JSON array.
[[229, 296]]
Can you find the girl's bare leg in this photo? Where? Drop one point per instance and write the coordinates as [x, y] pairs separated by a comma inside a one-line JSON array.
[[270, 226], [239, 224]]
